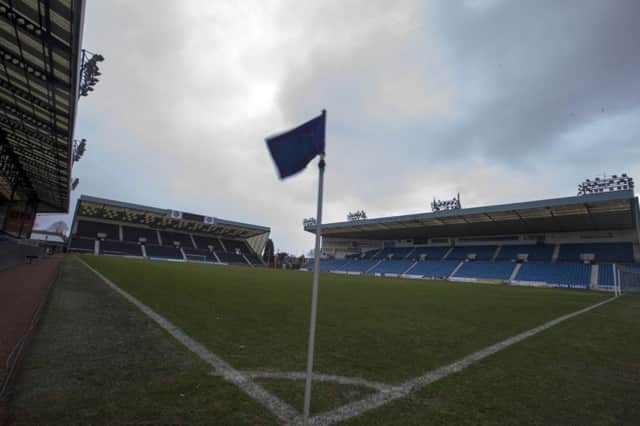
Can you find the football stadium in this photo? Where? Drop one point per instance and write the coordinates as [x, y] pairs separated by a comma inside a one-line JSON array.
[[581, 242], [521, 313]]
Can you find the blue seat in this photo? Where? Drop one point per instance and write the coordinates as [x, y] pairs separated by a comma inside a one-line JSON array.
[[392, 267], [361, 265], [575, 275], [488, 270], [396, 252], [433, 268], [535, 252], [605, 275], [604, 252], [431, 253], [482, 252]]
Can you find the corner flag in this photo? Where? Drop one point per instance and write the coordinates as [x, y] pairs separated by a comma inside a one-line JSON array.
[[292, 150]]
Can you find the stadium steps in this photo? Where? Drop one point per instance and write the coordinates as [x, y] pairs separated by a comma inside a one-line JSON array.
[[593, 281], [497, 253], [374, 266], [222, 244], [447, 253], [409, 254], [216, 256], [409, 268], [193, 241], [515, 271], [160, 242], [556, 253], [144, 250], [184, 256], [453, 273], [247, 260]]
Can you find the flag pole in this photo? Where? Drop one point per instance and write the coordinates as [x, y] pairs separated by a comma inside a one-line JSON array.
[[314, 293]]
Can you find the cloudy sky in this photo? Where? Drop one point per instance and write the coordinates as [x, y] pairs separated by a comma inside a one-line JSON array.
[[502, 101]]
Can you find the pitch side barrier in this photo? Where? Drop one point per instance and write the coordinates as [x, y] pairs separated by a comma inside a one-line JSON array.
[[13, 253]]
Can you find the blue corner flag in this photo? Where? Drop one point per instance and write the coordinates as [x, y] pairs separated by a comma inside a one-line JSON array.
[[294, 149]]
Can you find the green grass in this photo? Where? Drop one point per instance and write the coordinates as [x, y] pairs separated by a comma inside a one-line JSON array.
[[95, 356], [585, 371], [95, 359], [377, 328]]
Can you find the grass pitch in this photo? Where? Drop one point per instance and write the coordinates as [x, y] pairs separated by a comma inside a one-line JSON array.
[[391, 330]]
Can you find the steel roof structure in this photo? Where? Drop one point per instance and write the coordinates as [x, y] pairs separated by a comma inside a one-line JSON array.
[[39, 77], [118, 211], [603, 211]]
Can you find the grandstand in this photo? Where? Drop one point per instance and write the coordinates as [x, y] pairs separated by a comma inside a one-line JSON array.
[[572, 242], [115, 228], [39, 83]]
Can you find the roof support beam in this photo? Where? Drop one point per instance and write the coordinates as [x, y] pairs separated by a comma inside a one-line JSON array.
[[27, 116], [19, 65], [32, 99], [30, 24], [16, 125], [12, 170]]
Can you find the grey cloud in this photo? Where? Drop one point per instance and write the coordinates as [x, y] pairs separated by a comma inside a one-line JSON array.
[[500, 100]]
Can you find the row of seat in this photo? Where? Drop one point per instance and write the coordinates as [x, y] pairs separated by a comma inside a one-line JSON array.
[[563, 274], [127, 248], [131, 234], [604, 252]]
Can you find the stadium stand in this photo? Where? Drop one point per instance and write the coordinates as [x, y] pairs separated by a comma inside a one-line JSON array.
[[92, 229], [205, 242], [481, 252], [604, 252], [393, 252], [163, 252], [534, 242], [392, 267], [370, 254], [228, 257], [200, 255], [534, 252], [168, 239], [81, 244], [605, 275], [433, 268], [327, 265], [133, 234], [232, 245], [120, 248], [574, 275], [430, 253], [97, 216], [360, 265], [487, 270]]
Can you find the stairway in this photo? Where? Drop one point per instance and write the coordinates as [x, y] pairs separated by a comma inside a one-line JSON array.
[[514, 274]]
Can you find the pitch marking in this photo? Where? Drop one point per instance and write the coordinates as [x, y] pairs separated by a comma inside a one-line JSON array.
[[281, 409], [288, 414], [359, 407]]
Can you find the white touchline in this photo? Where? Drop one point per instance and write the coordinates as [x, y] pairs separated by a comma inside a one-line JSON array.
[[359, 407], [281, 409], [288, 414]]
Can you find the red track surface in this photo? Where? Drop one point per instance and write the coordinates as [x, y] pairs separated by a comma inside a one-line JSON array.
[[23, 289]]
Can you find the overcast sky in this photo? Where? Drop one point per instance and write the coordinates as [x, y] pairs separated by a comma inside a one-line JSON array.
[[502, 101]]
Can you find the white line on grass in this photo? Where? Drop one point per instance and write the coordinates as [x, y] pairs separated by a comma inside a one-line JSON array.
[[359, 407], [317, 377], [281, 409]]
